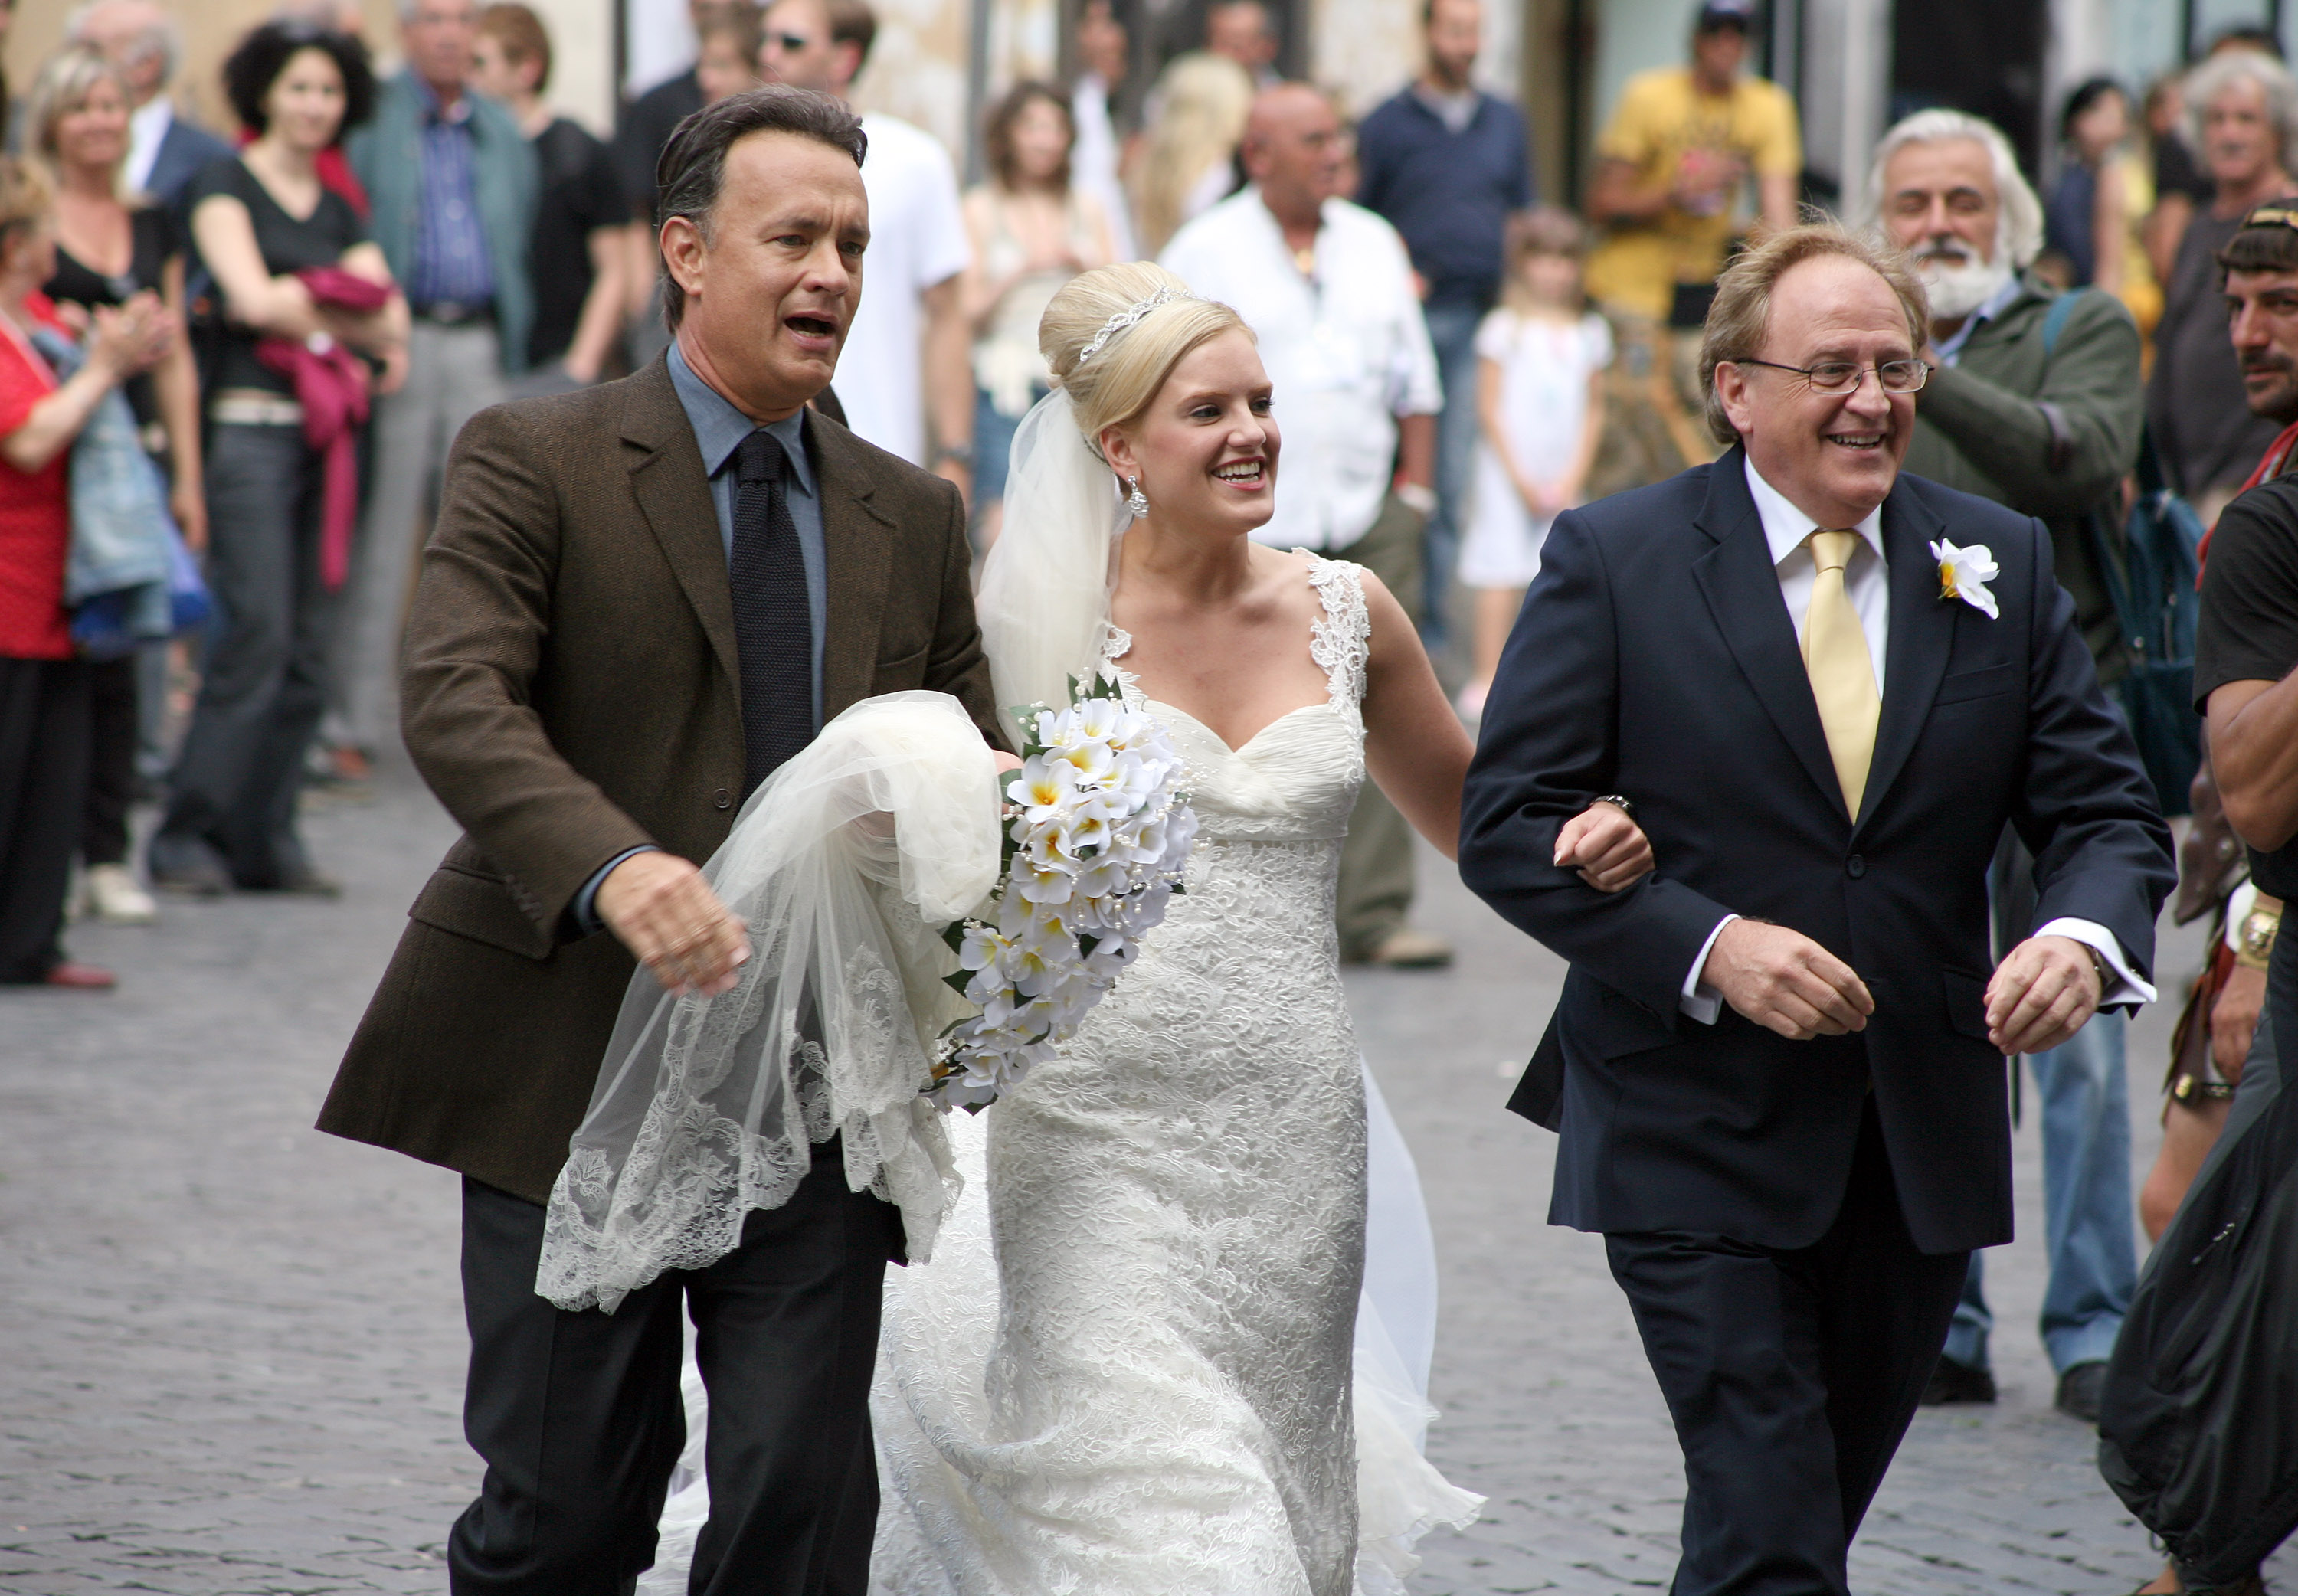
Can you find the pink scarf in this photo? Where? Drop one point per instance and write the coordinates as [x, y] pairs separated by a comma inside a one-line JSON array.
[[330, 386]]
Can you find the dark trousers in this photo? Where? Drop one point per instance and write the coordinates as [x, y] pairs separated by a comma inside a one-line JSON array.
[[113, 731], [43, 737], [1791, 1377], [264, 685], [578, 1420]]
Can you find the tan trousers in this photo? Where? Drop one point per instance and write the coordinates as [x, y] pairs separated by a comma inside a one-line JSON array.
[[1376, 893]]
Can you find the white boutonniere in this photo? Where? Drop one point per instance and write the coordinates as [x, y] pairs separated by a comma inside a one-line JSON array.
[[1964, 573]]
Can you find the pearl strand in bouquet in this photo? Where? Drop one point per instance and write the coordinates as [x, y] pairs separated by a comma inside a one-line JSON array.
[[1101, 833]]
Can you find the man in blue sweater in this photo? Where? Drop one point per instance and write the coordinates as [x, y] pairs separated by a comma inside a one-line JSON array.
[[1445, 163]]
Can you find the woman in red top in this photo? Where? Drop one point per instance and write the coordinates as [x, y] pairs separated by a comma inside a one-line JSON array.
[[43, 696]]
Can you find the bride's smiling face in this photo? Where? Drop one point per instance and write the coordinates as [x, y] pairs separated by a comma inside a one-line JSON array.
[[1206, 449]]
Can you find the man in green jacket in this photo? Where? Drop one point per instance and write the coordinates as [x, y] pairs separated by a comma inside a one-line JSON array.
[[2052, 432], [454, 187]]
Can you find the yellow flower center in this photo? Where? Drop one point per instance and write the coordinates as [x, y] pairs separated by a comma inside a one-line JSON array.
[[1946, 579]]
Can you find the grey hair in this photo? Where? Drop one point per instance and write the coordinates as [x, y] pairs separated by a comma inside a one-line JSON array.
[[163, 37], [692, 170], [2228, 67], [2021, 235]]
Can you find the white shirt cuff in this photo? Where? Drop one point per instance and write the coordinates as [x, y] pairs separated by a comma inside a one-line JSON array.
[[2128, 989], [1704, 1003]]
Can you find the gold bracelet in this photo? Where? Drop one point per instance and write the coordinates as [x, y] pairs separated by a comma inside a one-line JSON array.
[[2253, 942]]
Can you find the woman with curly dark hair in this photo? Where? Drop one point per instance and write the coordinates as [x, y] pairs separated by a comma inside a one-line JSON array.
[[274, 239]]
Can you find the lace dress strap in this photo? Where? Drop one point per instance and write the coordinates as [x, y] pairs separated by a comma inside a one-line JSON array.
[[1339, 642]]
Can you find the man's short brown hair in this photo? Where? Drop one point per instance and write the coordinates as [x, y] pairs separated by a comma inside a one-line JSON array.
[[2268, 240], [522, 35], [853, 22], [1742, 314]]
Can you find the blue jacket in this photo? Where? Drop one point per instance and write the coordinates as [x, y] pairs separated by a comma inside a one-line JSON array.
[[387, 155], [1654, 658]]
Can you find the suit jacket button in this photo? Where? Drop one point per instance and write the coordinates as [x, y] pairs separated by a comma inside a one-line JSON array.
[[722, 799], [1855, 866]]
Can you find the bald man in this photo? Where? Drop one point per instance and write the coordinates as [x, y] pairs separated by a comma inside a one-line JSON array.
[[1327, 288]]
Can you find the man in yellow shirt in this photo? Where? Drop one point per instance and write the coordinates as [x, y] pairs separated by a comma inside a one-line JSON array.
[[1670, 167]]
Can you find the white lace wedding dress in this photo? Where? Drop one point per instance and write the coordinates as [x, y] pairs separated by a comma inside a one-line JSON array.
[[1147, 1391]]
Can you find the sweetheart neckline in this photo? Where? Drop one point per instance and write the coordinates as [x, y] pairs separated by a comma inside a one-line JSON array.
[[1237, 750]]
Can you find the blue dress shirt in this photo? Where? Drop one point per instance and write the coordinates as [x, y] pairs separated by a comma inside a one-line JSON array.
[[719, 429], [451, 263]]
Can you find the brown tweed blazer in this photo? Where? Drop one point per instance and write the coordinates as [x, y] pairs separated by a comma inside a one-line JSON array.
[[570, 693]]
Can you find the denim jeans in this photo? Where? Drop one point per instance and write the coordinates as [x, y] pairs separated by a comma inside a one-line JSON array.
[[2085, 1090], [1452, 329]]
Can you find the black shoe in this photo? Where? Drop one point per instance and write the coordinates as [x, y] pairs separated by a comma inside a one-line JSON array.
[[186, 865], [1952, 1382], [304, 882], [2078, 1390]]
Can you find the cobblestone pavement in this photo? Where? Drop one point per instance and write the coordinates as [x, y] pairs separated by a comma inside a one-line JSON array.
[[232, 1349]]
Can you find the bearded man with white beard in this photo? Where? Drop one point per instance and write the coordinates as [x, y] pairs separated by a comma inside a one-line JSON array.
[[2036, 402]]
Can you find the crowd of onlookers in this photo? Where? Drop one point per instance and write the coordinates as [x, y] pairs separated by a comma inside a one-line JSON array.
[[231, 369]]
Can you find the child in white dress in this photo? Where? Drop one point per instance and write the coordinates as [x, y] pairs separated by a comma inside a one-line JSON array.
[[1539, 363]]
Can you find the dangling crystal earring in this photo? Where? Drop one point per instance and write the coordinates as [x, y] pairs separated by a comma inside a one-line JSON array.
[[1136, 500]]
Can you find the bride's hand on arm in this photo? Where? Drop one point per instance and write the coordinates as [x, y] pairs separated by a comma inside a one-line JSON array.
[[1414, 743], [1609, 850]]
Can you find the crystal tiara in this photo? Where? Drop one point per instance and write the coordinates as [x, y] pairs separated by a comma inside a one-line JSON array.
[[1131, 316]]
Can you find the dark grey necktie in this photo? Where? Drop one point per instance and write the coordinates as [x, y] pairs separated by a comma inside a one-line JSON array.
[[774, 625]]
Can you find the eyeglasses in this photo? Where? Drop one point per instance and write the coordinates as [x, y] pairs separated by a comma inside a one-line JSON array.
[[1837, 378]]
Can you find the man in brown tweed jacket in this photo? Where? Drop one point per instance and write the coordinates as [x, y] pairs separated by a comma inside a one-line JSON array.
[[639, 599]]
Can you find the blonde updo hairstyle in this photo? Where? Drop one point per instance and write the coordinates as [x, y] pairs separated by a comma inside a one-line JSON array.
[[1114, 387]]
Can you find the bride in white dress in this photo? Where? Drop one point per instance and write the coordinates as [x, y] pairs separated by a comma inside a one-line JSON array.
[[1149, 1394]]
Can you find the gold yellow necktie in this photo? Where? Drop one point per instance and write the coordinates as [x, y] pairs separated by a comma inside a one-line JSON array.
[[1842, 672]]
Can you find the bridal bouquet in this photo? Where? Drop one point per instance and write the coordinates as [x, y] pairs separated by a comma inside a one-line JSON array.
[[1100, 834]]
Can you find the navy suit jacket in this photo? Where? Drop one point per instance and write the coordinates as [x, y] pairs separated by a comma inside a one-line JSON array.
[[185, 152], [1655, 658]]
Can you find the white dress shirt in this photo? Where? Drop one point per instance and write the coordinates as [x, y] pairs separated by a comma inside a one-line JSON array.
[[1866, 583], [917, 239], [1346, 346], [147, 126]]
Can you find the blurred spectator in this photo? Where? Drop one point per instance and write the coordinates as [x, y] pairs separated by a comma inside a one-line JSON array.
[[2180, 183], [727, 37], [577, 256], [1670, 167], [2242, 110], [43, 691], [454, 186], [1327, 287], [646, 126], [258, 220], [165, 152], [1032, 229], [108, 252], [1188, 161], [1101, 47], [1245, 32], [906, 360], [726, 52], [1539, 394], [1446, 163], [2090, 227], [2046, 421]]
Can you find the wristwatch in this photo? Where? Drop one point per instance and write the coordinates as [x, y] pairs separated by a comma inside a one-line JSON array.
[[1617, 801], [2253, 946], [963, 453]]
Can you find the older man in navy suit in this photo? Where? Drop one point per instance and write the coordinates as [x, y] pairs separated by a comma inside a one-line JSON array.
[[1777, 1068]]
